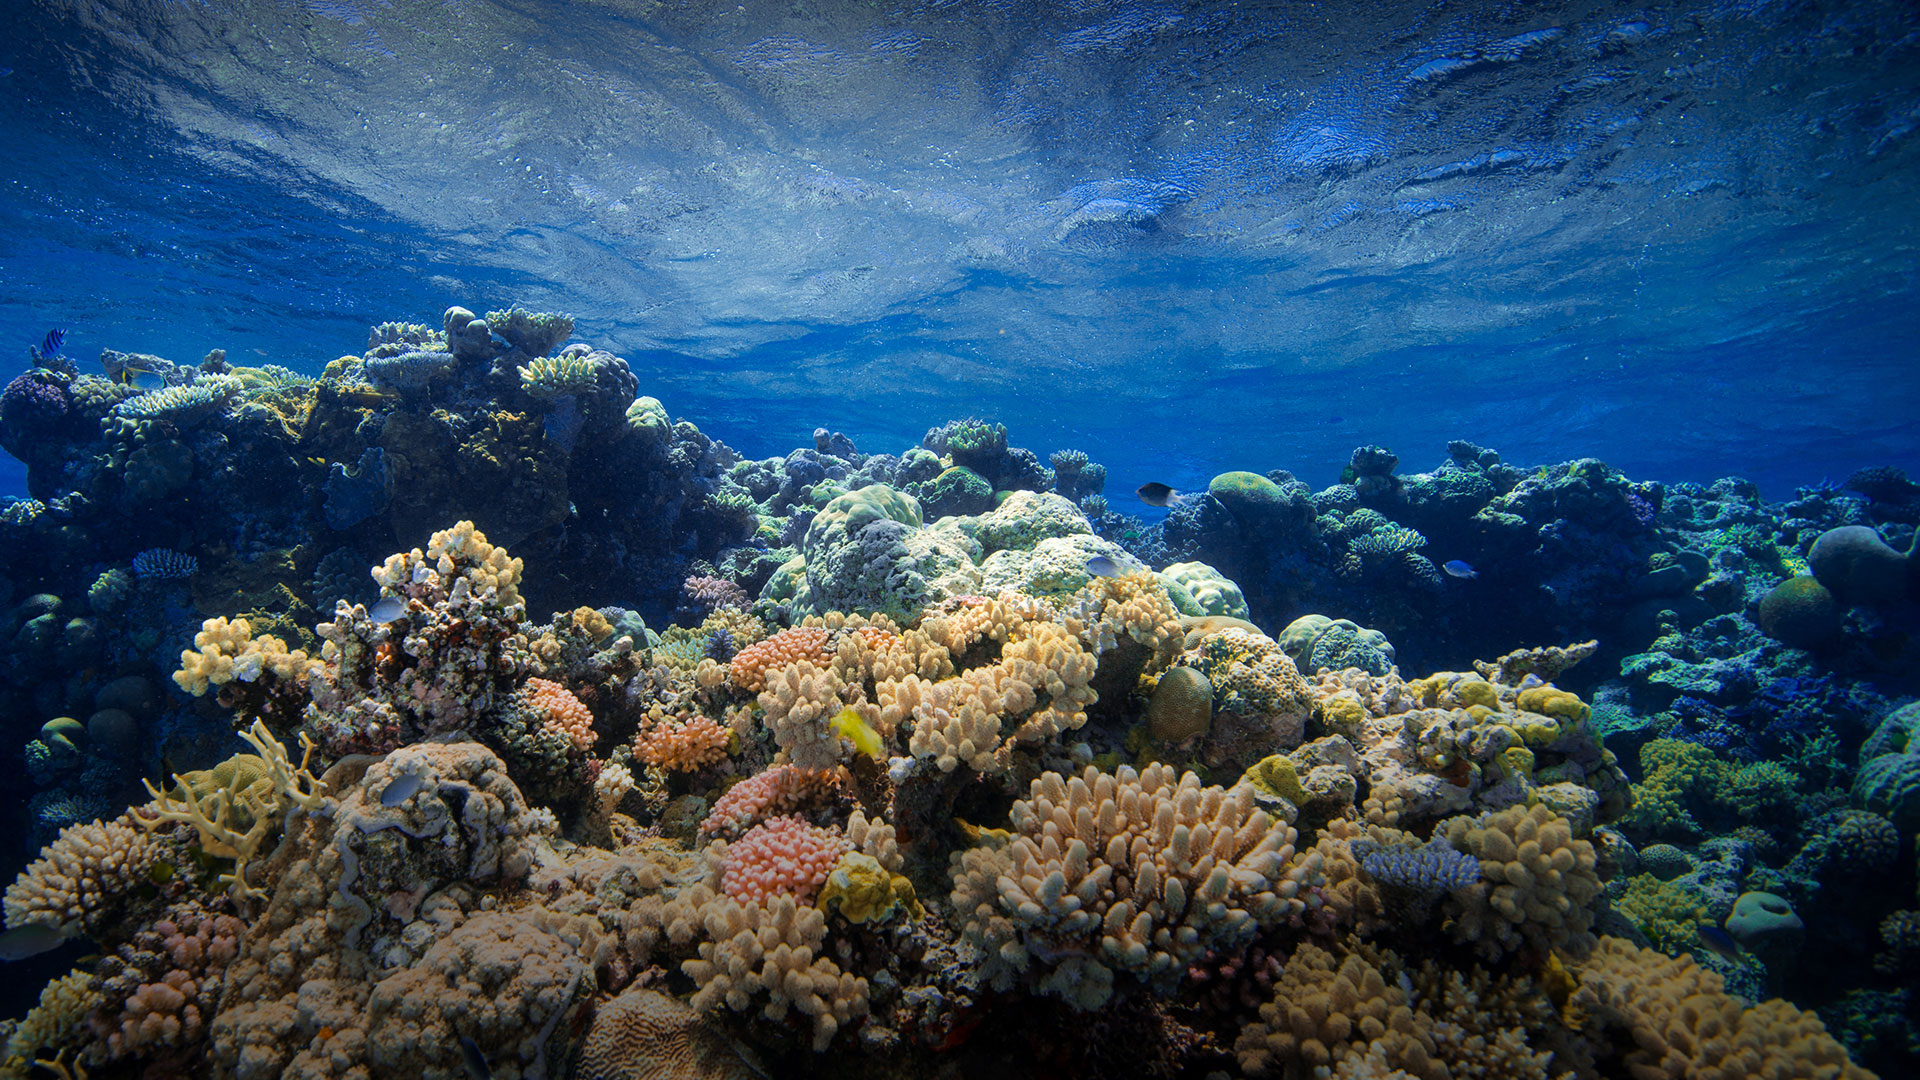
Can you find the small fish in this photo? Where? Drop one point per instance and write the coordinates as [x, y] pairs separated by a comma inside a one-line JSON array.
[[5, 71], [49, 348], [477, 1066], [400, 789], [1336, 419], [1720, 942], [1157, 495], [30, 940], [387, 609], [142, 379], [1459, 569], [857, 731], [1101, 566]]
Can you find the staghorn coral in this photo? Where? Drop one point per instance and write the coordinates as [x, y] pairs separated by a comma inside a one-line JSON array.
[[1668, 1018], [1128, 873]]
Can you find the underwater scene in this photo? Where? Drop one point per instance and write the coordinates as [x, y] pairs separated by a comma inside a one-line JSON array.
[[960, 538]]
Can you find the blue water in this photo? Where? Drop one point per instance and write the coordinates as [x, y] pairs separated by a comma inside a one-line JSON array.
[[1677, 237]]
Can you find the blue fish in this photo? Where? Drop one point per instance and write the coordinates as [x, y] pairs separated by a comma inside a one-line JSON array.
[[1101, 566], [1459, 569], [387, 609], [1720, 942], [49, 347], [400, 789], [477, 1066], [30, 940]]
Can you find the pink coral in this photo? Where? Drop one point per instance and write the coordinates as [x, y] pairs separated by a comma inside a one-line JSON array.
[[682, 745], [714, 593], [565, 713], [165, 983], [780, 790], [781, 857], [750, 665]]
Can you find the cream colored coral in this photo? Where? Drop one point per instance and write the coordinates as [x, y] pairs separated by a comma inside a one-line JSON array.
[[1539, 882], [1040, 686], [1673, 1019], [1135, 606], [770, 951], [1131, 872], [458, 560], [79, 875], [799, 700], [226, 651]]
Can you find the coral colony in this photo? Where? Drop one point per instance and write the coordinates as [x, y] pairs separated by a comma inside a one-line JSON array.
[[923, 764]]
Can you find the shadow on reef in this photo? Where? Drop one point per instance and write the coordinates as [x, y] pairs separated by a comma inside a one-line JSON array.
[[930, 760]]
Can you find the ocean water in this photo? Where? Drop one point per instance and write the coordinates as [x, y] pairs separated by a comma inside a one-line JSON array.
[[1484, 327]]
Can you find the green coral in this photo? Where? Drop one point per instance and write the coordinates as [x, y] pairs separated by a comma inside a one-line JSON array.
[[1681, 778], [1199, 589], [559, 376], [1666, 911], [1276, 777]]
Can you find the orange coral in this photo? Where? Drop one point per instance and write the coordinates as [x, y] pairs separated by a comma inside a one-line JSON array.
[[682, 745], [564, 713], [786, 647]]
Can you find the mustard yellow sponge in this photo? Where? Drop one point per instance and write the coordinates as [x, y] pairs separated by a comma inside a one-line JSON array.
[[1554, 702], [866, 891]]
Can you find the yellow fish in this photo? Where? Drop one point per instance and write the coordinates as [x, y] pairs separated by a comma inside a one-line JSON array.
[[857, 731]]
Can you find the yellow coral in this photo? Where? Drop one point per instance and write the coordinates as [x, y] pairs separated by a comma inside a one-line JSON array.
[[1554, 702], [1666, 911], [1277, 776], [866, 891], [226, 651]]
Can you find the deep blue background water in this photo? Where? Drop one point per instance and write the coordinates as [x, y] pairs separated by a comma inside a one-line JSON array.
[[1680, 237]]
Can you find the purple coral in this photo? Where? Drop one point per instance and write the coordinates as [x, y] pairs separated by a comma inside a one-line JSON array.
[[1435, 867], [714, 593], [33, 399]]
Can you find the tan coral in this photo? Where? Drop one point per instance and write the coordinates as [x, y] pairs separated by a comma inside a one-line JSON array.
[[1039, 686], [78, 878], [772, 952], [460, 553], [55, 1024], [1539, 882], [1139, 873], [644, 1034], [1326, 1009], [1672, 1019]]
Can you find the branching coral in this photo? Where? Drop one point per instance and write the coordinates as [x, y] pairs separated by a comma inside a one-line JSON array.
[[1129, 873], [80, 878], [1540, 884], [1668, 1018]]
